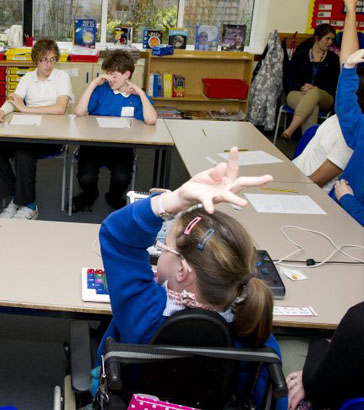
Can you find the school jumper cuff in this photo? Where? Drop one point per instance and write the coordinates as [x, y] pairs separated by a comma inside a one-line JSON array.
[[353, 207]]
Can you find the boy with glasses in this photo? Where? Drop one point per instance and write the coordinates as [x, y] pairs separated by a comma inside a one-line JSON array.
[[46, 90]]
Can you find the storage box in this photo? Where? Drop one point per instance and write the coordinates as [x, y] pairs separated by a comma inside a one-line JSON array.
[[84, 58], [2, 73], [147, 402], [225, 88], [19, 54], [162, 50]]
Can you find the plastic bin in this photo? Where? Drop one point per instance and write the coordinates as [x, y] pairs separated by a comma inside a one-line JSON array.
[[76, 58], [225, 88], [2, 73], [2, 89]]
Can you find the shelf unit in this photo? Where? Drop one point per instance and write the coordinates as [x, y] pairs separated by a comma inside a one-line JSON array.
[[195, 65]]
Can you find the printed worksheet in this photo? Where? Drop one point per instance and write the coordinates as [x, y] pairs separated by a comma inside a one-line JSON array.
[[26, 120], [252, 157], [284, 204], [114, 122], [294, 311]]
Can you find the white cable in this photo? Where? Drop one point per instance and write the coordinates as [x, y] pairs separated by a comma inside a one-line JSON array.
[[94, 247], [301, 248]]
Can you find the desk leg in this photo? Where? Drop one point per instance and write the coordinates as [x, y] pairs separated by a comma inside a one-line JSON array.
[[165, 167], [155, 169]]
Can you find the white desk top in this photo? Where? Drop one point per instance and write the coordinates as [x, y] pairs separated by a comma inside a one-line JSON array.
[[40, 265], [195, 140], [69, 128]]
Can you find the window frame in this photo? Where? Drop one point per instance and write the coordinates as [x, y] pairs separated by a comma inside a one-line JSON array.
[[257, 36]]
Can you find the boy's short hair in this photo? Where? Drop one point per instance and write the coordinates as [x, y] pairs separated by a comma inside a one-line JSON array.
[[42, 47], [119, 60]]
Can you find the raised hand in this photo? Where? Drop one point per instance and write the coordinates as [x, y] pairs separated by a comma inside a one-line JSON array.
[[355, 58], [102, 78], [133, 88]]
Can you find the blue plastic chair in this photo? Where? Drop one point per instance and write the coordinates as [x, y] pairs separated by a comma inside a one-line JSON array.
[[353, 404], [306, 138], [286, 109]]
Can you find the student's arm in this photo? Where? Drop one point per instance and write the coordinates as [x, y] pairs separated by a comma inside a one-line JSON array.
[[325, 173], [81, 107], [59, 107], [149, 113], [349, 43]]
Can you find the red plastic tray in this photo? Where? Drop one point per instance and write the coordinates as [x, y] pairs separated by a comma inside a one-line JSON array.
[[225, 88], [81, 58], [2, 56]]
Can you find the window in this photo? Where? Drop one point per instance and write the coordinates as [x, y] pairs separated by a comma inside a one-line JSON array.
[[11, 12], [54, 18]]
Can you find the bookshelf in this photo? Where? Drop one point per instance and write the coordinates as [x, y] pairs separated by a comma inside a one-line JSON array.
[[195, 65]]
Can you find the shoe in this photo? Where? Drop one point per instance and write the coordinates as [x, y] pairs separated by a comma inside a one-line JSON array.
[[115, 203], [26, 213], [285, 137], [9, 211], [81, 203]]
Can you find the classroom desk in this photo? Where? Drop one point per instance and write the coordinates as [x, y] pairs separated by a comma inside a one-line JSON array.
[[195, 140], [40, 267], [69, 129]]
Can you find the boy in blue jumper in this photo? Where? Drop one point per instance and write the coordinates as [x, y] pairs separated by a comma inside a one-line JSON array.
[[206, 263], [110, 94]]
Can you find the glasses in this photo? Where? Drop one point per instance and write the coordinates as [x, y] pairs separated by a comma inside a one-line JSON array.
[[163, 247], [51, 60]]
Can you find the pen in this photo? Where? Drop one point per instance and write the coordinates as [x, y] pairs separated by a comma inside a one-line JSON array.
[[204, 133], [240, 150], [277, 189]]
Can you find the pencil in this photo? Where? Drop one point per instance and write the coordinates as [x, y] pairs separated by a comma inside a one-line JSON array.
[[264, 188], [204, 133], [240, 150]]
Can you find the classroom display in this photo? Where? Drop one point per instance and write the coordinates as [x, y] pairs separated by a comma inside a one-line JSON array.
[[332, 12], [151, 38], [85, 33], [233, 37], [207, 37], [177, 37], [123, 35]]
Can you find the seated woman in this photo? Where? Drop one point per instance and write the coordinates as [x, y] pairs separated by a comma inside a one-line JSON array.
[[314, 73], [206, 262], [46, 90]]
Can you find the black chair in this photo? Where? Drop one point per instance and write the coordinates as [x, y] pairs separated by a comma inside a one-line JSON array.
[[191, 360]]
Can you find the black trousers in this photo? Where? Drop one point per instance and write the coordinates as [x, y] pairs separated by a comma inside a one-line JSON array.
[[118, 160], [334, 372], [21, 184]]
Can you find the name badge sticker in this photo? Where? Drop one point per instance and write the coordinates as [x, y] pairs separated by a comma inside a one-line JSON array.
[[127, 112]]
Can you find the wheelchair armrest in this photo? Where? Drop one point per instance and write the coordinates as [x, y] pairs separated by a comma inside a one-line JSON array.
[[279, 382], [80, 355]]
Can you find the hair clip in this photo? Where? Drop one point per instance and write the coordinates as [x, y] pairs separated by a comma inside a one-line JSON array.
[[204, 239], [190, 226]]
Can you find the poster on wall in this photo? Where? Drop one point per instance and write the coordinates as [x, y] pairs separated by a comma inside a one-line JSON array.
[[332, 12]]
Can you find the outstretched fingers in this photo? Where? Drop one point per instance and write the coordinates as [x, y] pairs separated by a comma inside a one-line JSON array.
[[244, 182]]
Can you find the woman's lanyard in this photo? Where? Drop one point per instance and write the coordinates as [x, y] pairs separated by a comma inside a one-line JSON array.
[[315, 65]]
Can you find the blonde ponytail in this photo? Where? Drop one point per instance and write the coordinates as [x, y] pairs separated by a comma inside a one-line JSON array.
[[254, 315]]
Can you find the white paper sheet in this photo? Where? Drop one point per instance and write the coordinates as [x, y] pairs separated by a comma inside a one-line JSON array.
[[253, 157], [26, 120], [113, 122], [284, 204], [294, 311]]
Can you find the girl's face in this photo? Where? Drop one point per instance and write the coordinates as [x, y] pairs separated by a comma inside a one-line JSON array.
[[46, 64], [168, 262], [325, 42], [203, 38]]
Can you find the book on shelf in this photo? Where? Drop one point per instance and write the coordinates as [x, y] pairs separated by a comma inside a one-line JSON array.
[[223, 115], [195, 115], [84, 33], [123, 35], [157, 85], [207, 37], [233, 37], [178, 86], [167, 85], [168, 113], [151, 38], [177, 37]]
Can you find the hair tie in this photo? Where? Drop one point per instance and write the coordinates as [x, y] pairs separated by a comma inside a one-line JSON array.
[[190, 226], [204, 239]]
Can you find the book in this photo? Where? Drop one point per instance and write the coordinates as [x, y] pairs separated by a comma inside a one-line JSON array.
[[84, 33], [123, 35], [167, 85], [207, 37], [151, 38], [195, 115], [157, 85], [168, 112], [233, 37], [178, 85], [177, 37]]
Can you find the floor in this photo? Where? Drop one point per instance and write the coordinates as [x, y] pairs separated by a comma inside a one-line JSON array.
[[31, 353]]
